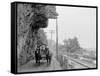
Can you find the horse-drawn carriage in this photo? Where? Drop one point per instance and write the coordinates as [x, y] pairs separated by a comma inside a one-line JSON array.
[[43, 53]]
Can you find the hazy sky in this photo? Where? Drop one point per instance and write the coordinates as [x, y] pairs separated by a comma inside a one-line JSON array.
[[75, 22]]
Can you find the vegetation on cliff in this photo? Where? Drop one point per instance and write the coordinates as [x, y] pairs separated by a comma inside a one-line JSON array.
[[31, 20]]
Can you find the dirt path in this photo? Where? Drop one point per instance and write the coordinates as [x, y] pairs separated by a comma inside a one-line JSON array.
[[32, 66]]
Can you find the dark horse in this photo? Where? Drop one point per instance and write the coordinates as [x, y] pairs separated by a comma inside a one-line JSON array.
[[37, 55], [48, 56]]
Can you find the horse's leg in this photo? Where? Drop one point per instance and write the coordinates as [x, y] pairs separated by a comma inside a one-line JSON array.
[[47, 59], [39, 60], [36, 60], [50, 60]]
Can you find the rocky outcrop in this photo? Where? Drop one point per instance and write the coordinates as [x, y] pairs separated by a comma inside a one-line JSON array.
[[30, 21]]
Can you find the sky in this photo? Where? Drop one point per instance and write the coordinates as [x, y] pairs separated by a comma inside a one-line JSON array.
[[74, 22]]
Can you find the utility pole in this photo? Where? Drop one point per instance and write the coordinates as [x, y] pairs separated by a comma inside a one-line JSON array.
[[56, 38]]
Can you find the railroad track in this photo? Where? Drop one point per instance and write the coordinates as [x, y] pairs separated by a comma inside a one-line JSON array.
[[79, 63]]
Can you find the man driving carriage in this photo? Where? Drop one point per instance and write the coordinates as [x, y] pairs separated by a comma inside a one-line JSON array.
[[42, 53]]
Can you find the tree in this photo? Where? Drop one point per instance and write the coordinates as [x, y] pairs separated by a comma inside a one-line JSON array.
[[72, 45]]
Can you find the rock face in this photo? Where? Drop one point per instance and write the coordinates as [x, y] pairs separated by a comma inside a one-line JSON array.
[[31, 20]]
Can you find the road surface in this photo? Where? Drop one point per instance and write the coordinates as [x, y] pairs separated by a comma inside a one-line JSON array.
[[31, 66], [43, 66]]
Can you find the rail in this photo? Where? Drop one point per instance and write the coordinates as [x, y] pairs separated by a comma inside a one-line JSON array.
[[84, 64]]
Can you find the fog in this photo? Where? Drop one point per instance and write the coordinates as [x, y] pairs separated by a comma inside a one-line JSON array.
[[74, 22]]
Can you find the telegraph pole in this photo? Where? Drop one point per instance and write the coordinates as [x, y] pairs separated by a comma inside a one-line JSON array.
[[56, 38]]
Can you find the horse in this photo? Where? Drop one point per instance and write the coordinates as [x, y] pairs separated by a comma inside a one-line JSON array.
[[37, 55], [48, 56]]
